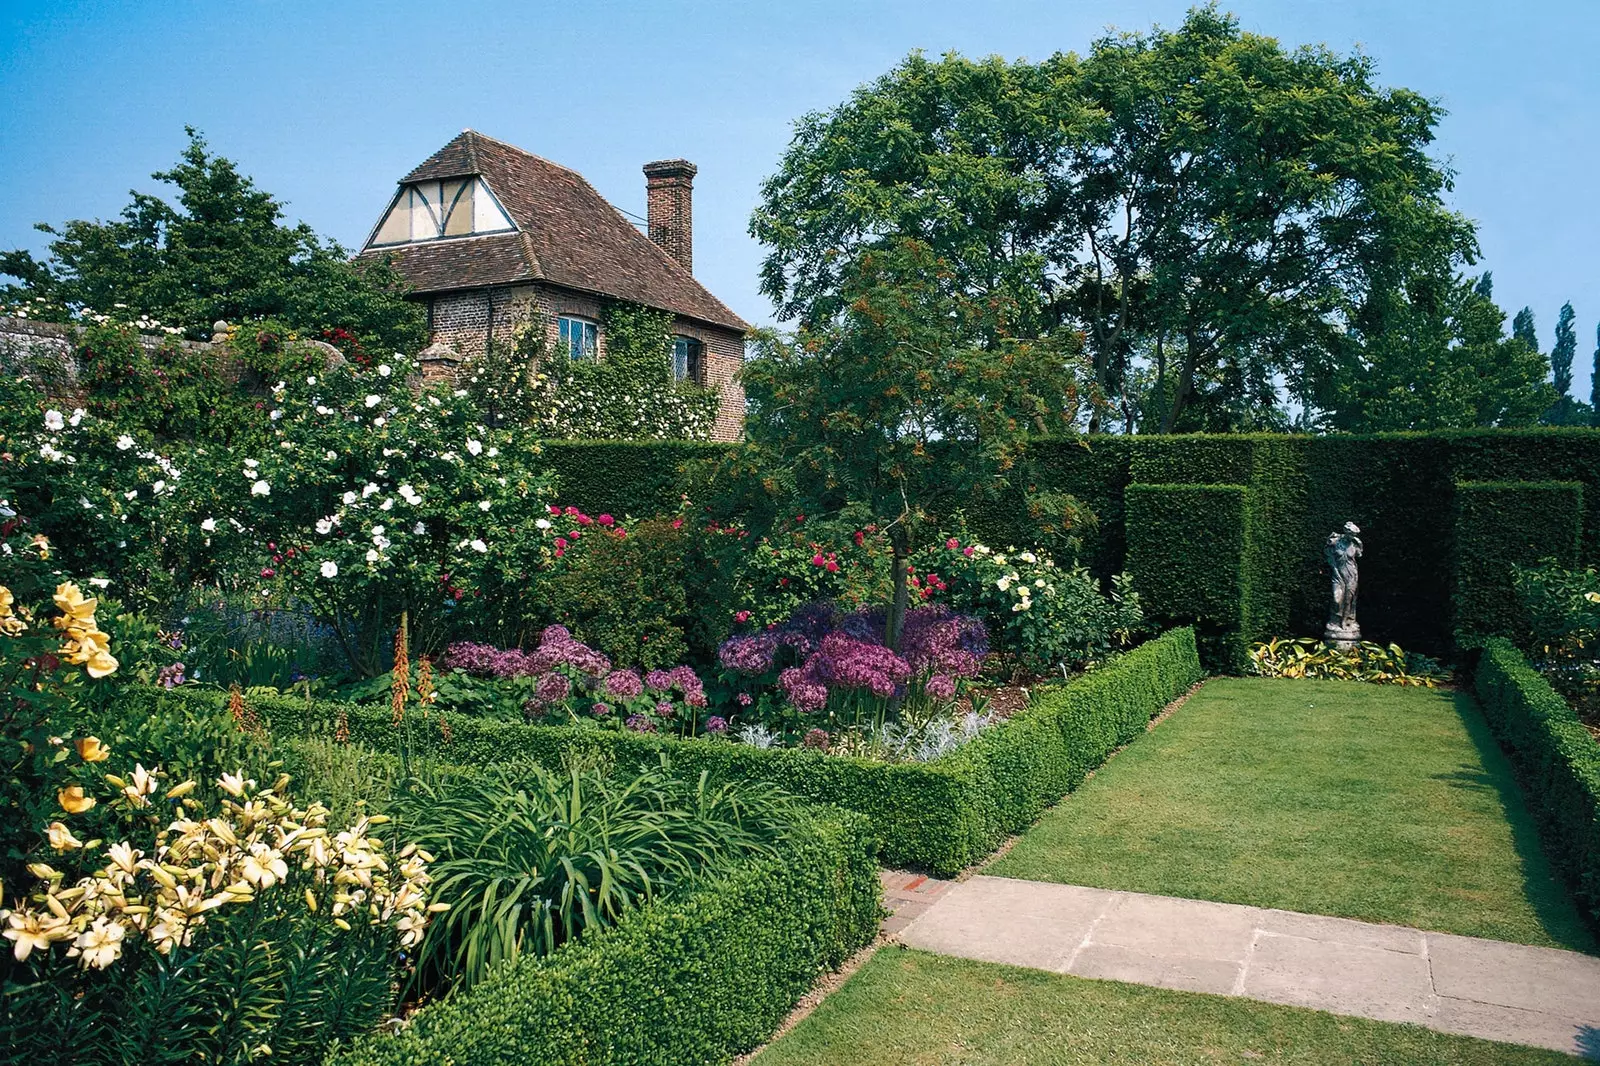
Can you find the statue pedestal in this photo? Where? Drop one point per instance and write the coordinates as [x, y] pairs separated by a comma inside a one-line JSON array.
[[1342, 637]]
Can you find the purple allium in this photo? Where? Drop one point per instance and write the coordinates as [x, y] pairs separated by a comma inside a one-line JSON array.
[[716, 724], [601, 709], [749, 654], [658, 680], [665, 709], [555, 635], [816, 739], [623, 684], [803, 691], [552, 688], [941, 687], [640, 724], [744, 699]]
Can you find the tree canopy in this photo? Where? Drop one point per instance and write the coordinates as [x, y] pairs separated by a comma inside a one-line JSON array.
[[1231, 225], [218, 250]]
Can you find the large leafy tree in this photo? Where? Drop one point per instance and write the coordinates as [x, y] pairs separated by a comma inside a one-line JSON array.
[[893, 413], [219, 249], [1216, 213], [1441, 359]]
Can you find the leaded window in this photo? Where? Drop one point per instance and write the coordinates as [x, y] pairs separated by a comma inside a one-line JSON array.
[[688, 357]]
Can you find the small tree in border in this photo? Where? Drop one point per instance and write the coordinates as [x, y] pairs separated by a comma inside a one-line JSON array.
[[889, 416]]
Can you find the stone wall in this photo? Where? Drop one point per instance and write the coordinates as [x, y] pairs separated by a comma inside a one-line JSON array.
[[48, 351]]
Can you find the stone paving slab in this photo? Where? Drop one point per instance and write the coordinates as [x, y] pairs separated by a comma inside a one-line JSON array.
[[1541, 997]]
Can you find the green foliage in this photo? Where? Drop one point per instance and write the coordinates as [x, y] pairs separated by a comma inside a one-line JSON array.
[[1125, 194], [173, 392], [1435, 357], [532, 858], [905, 406], [1559, 759], [623, 595], [1042, 619], [1187, 554], [220, 252], [939, 816], [1561, 355], [1562, 640], [629, 394], [699, 978], [1307, 657], [639, 478], [1500, 525]]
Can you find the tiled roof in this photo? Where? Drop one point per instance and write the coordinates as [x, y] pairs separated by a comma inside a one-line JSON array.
[[570, 236]]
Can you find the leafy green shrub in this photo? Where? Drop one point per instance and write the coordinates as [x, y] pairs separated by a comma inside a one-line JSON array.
[[1311, 658], [1559, 759], [1562, 607], [623, 595], [531, 858], [1042, 619], [697, 978]]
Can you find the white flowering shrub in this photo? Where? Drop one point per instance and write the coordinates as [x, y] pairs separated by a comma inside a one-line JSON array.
[[1042, 618], [361, 498]]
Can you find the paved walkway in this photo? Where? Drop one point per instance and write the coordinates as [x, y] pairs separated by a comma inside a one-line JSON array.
[[1485, 988]]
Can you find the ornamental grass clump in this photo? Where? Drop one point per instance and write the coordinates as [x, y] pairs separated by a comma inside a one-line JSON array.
[[532, 858]]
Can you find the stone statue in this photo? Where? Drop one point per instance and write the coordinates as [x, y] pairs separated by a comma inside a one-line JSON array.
[[1342, 551]]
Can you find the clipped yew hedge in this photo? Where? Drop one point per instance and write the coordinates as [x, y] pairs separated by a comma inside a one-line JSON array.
[[1558, 757], [700, 978], [939, 816]]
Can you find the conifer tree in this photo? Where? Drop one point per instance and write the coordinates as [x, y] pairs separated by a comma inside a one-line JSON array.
[[1524, 330], [1566, 347]]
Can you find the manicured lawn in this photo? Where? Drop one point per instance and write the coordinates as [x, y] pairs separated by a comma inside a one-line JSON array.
[[1365, 801], [909, 1007]]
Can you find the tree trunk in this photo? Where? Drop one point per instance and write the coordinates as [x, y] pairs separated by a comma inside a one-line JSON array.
[[897, 607]]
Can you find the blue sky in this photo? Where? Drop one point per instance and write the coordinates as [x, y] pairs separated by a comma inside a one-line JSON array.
[[326, 104]]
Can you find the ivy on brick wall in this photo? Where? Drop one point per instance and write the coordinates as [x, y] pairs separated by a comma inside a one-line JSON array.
[[630, 394]]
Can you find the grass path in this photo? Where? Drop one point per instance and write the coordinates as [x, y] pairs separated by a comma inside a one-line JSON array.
[[909, 1008], [1364, 801]]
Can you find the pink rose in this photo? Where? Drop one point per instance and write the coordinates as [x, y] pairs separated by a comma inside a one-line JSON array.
[[952, 544]]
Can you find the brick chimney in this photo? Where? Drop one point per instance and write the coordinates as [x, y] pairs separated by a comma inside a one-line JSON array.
[[669, 188]]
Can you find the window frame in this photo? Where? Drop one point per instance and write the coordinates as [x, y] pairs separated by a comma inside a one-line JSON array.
[[469, 181], [590, 334], [694, 359]]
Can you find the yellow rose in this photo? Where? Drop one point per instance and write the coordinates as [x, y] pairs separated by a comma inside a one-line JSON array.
[[6, 600], [101, 664], [75, 607], [91, 750], [73, 801], [42, 542]]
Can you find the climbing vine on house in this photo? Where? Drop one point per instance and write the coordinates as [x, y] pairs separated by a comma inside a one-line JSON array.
[[628, 394]]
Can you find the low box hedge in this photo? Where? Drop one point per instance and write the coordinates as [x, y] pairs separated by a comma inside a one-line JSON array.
[[1559, 759], [939, 816], [696, 979]]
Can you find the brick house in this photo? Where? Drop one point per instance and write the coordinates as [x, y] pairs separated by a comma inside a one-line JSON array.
[[490, 237]]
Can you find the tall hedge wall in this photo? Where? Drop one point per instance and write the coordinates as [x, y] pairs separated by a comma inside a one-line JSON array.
[[638, 478], [1398, 487], [1499, 524], [697, 979], [1188, 546], [1559, 759], [939, 816]]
